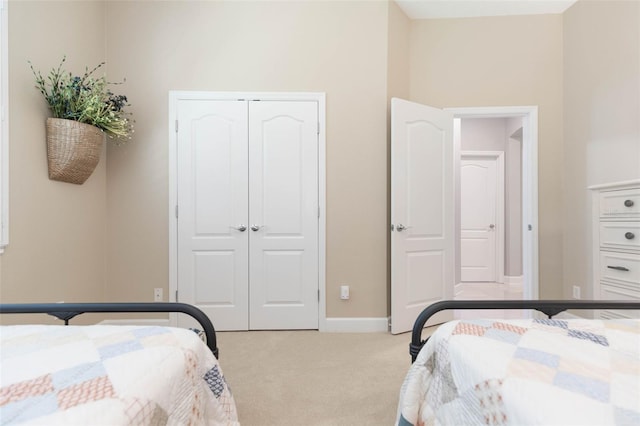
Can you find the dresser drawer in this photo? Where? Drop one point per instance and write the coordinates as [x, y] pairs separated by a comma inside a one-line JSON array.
[[620, 267], [610, 292], [624, 203], [620, 235]]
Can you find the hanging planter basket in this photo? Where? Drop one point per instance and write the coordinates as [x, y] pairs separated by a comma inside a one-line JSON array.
[[73, 150]]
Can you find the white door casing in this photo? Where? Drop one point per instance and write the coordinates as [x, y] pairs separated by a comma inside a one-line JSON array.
[[482, 216], [283, 246], [422, 211], [212, 193], [529, 115], [283, 215]]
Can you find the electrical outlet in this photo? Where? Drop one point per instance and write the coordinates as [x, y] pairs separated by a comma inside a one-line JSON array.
[[157, 294], [576, 292], [344, 292]]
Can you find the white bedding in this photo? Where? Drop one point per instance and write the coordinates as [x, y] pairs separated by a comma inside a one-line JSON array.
[[525, 372], [110, 375]]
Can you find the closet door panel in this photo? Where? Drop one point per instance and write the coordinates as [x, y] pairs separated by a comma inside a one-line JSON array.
[[283, 213], [282, 186], [213, 205]]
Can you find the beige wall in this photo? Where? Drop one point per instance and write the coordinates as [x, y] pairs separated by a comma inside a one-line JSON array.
[[398, 53], [360, 54], [503, 61], [513, 197], [57, 230], [333, 47], [602, 118], [482, 134]]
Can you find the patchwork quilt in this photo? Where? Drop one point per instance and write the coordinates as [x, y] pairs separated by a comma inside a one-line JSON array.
[[110, 375], [525, 372]]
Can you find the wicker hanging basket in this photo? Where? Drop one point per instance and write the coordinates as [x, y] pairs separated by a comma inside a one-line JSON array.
[[73, 150]]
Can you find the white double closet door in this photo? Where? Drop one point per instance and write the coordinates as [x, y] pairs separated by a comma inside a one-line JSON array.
[[248, 212]]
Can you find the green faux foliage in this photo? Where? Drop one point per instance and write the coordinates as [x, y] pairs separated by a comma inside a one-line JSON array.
[[85, 99]]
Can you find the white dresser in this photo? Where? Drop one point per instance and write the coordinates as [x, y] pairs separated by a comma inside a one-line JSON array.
[[616, 242]]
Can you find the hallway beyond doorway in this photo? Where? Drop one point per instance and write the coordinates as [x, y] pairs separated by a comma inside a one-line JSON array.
[[488, 291]]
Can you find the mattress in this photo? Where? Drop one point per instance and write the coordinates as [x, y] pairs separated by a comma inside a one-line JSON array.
[[110, 375], [525, 372]]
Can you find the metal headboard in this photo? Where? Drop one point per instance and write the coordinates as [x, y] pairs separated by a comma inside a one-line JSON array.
[[548, 307], [67, 311]]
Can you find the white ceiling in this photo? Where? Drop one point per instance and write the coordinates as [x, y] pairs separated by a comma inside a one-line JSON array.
[[433, 9]]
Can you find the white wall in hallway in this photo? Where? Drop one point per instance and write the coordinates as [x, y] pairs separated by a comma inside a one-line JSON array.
[[493, 134]]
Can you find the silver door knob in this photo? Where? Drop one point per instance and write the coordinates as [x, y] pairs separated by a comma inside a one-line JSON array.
[[240, 228], [256, 227], [492, 226], [400, 227]]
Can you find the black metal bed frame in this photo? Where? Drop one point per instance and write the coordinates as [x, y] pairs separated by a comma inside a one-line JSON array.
[[67, 311], [548, 307]]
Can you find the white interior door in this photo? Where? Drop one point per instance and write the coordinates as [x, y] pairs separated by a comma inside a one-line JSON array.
[[422, 211], [213, 205], [283, 215], [478, 218]]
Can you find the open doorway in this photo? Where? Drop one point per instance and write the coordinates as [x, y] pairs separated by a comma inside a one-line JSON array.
[[496, 203], [425, 223]]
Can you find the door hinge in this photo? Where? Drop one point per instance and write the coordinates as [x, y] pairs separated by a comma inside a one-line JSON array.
[[389, 324], [318, 212], [176, 211], [176, 126], [318, 129], [176, 295], [529, 227]]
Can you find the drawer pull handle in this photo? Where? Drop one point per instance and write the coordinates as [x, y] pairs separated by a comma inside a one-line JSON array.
[[618, 268], [628, 203], [629, 235]]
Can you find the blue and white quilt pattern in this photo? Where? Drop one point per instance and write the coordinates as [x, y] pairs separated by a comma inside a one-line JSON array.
[[526, 372], [110, 375]]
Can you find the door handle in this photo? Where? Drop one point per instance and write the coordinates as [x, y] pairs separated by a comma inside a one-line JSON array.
[[492, 226], [256, 227], [619, 268], [400, 227], [240, 228], [629, 235]]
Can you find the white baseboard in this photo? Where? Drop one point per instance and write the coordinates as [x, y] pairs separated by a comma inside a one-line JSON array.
[[513, 280], [457, 290], [514, 283], [332, 325], [356, 325], [567, 315], [146, 322], [562, 315]]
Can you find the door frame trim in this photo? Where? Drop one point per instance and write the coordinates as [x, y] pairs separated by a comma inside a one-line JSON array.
[[178, 95], [498, 156], [529, 115]]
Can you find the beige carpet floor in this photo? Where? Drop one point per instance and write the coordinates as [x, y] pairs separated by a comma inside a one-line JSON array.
[[312, 378]]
